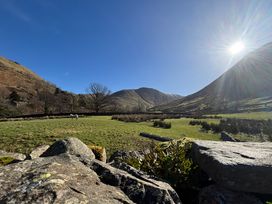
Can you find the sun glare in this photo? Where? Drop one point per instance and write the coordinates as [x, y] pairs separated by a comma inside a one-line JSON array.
[[236, 48]]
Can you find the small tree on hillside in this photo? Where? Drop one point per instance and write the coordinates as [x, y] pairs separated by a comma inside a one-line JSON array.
[[99, 94], [14, 97]]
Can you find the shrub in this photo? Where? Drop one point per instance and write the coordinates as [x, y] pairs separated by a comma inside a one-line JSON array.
[[172, 162], [14, 97], [143, 117], [162, 124], [234, 126], [216, 128], [195, 122], [205, 126]]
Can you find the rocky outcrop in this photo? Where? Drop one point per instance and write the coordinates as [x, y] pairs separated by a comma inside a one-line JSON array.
[[67, 172], [156, 137], [241, 166], [136, 185], [58, 179], [38, 151], [224, 136], [71, 146], [120, 156], [217, 195]]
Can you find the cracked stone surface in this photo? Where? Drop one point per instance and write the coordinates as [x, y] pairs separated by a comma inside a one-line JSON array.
[[217, 194], [242, 166], [58, 179], [68, 173], [71, 145]]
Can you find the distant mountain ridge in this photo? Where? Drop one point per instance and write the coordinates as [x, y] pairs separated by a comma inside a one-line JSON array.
[[22, 92], [247, 86], [140, 99]]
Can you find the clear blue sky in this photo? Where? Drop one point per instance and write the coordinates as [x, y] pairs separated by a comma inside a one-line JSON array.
[[175, 46]]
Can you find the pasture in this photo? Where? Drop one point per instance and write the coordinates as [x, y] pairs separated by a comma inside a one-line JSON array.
[[23, 136], [250, 115]]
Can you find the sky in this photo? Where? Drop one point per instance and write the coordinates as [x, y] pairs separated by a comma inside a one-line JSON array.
[[174, 46]]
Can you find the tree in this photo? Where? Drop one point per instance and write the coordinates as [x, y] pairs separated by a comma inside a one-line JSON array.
[[99, 95], [14, 97], [43, 96]]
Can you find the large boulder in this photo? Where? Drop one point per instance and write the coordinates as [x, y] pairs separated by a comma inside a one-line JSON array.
[[239, 166], [59, 179], [71, 146], [224, 136], [217, 195], [68, 173], [135, 184], [38, 151]]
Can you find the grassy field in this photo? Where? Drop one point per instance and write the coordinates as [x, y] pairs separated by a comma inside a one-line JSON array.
[[252, 115], [23, 136]]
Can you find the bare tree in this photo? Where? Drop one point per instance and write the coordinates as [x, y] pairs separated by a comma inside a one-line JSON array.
[[99, 95]]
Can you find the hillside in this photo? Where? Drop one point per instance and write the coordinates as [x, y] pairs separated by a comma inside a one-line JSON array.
[[140, 99], [247, 86], [22, 92]]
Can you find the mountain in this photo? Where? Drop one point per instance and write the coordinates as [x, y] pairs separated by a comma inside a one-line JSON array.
[[247, 86], [137, 100], [22, 92]]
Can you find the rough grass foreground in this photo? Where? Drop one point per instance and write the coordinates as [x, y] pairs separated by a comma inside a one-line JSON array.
[[23, 136]]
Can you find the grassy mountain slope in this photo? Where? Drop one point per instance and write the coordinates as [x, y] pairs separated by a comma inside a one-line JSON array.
[[22, 92], [140, 99], [25, 86], [247, 86]]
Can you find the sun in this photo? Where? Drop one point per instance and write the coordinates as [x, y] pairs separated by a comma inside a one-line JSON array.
[[236, 48]]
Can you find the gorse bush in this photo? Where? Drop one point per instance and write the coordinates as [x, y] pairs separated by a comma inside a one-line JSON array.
[[143, 117], [170, 161], [195, 122], [162, 124], [235, 126]]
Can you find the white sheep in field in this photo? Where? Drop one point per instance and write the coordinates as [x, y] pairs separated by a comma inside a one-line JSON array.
[[74, 116]]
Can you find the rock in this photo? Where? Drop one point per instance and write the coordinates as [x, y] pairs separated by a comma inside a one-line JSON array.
[[15, 156], [156, 137], [135, 184], [217, 195], [71, 146], [74, 176], [120, 155], [58, 179], [38, 151], [243, 166], [227, 137]]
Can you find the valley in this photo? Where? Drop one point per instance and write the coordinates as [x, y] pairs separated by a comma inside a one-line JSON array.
[[136, 102], [23, 136]]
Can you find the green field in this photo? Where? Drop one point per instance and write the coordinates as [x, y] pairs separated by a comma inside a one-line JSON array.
[[23, 136], [251, 115]]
